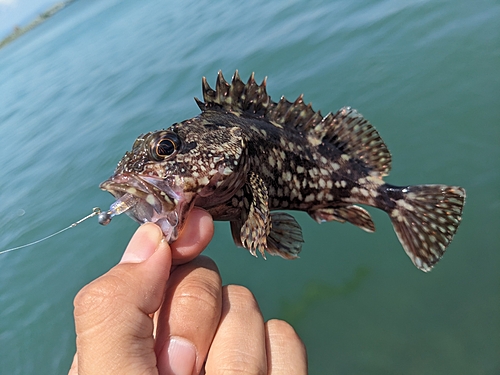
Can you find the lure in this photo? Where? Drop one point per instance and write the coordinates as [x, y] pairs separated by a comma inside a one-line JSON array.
[[120, 206]]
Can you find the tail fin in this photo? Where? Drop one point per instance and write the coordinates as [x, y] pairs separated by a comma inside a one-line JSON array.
[[425, 219]]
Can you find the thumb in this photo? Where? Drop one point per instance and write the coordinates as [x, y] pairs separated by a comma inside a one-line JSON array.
[[112, 314]]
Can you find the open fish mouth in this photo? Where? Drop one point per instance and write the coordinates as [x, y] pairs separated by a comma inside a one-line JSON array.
[[144, 199]]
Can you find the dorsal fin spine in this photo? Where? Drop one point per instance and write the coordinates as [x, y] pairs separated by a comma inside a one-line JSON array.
[[222, 89], [313, 121], [205, 89]]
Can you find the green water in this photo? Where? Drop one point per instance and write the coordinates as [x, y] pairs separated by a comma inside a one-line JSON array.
[[77, 90]]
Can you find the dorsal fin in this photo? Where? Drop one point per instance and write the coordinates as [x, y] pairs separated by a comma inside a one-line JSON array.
[[353, 134], [237, 96], [346, 129]]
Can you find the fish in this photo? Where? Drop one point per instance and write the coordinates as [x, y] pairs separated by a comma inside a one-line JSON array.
[[246, 158]]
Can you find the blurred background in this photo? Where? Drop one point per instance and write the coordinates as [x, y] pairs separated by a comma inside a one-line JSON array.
[[80, 87]]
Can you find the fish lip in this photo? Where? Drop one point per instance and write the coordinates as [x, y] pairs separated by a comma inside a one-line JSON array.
[[151, 190]]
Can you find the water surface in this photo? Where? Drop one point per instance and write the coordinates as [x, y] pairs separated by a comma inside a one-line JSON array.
[[77, 90]]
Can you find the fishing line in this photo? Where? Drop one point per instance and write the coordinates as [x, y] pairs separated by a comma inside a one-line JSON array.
[[95, 211]]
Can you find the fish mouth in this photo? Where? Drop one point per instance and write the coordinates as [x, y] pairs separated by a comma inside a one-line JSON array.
[[145, 199]]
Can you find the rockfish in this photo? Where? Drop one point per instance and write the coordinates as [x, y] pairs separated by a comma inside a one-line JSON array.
[[245, 158]]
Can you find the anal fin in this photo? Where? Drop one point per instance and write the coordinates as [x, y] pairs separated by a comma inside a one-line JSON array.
[[351, 213]]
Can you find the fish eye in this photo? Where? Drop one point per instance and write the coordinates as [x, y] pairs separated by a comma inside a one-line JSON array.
[[165, 146]]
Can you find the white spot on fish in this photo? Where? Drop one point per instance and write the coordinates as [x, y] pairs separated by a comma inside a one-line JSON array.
[[150, 199], [411, 196], [405, 205], [309, 198], [397, 214], [266, 171]]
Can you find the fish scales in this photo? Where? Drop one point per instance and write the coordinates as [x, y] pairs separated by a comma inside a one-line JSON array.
[[246, 158]]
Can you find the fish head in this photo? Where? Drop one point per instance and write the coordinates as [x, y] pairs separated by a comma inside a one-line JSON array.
[[167, 170]]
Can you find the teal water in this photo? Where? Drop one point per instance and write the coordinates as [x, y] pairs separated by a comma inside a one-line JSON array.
[[76, 91]]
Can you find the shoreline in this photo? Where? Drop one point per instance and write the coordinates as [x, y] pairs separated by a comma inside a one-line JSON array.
[[42, 17]]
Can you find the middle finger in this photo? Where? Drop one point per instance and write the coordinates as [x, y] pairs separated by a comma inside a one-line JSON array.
[[189, 316], [240, 343]]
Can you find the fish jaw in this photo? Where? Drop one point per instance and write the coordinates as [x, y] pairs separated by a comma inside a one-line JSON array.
[[151, 200]]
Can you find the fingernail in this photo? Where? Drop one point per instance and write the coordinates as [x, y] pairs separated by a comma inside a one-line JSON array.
[[178, 357], [143, 244]]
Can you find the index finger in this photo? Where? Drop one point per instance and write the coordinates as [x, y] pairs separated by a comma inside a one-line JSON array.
[[194, 238]]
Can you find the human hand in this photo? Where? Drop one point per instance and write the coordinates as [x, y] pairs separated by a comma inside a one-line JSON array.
[[143, 318]]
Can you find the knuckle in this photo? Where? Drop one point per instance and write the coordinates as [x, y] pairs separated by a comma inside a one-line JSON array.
[[240, 298], [242, 368], [282, 328], [204, 295], [282, 334], [98, 296], [197, 284], [236, 361], [239, 292]]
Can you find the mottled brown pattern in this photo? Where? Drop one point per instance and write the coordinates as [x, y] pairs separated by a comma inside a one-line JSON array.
[[245, 156]]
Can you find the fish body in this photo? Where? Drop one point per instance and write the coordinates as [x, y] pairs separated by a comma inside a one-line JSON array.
[[246, 158]]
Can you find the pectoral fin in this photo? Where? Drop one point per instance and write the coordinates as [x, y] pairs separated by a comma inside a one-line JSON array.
[[257, 229], [285, 238], [255, 224]]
